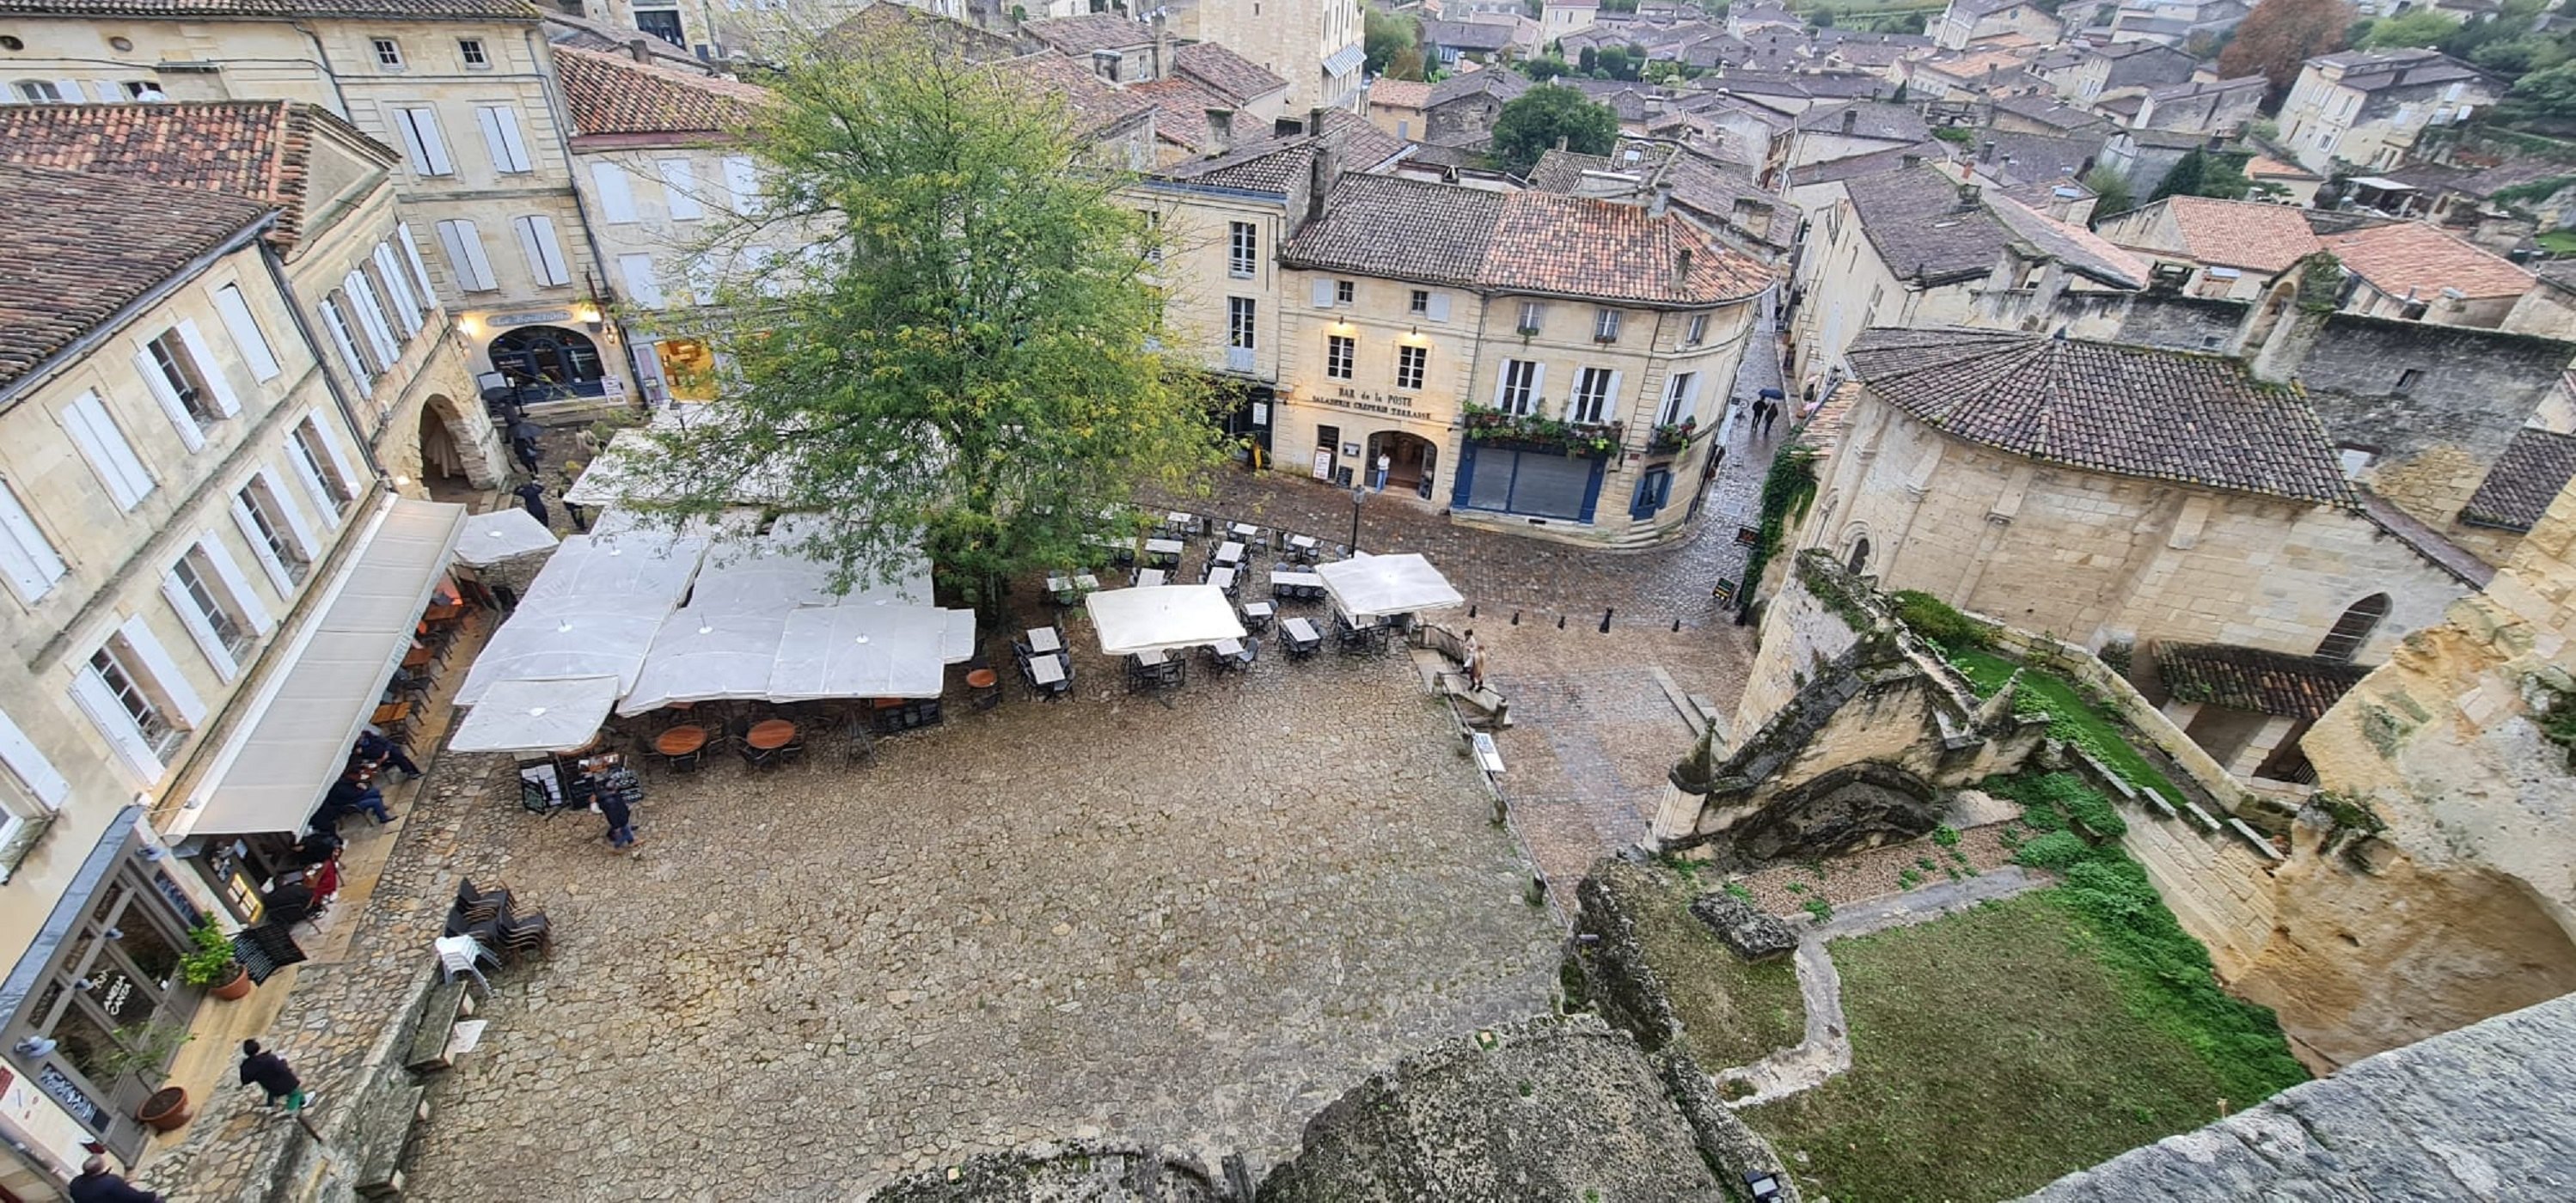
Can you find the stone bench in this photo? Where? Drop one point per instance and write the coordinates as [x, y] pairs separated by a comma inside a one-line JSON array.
[[446, 1003]]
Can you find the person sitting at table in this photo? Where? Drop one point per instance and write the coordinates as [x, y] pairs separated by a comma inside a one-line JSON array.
[[376, 752], [353, 793], [288, 902]]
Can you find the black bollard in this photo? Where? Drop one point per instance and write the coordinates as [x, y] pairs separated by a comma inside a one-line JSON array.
[[1560, 622], [1516, 618], [1605, 622], [1677, 626], [1471, 609]]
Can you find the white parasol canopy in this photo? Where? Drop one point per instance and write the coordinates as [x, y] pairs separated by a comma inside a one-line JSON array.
[[703, 655], [1161, 617], [870, 651], [560, 638], [536, 716], [764, 577], [1374, 586], [499, 535], [633, 564]]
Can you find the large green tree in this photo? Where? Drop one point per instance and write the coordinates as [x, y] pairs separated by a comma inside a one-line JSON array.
[[2200, 173], [2423, 27], [966, 353], [1386, 36], [1534, 121], [2279, 36]]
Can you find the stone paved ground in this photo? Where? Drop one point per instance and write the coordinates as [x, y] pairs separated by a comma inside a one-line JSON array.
[[1191, 925]]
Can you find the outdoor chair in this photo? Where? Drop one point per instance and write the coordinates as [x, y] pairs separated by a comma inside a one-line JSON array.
[[527, 933], [1256, 615], [481, 904], [859, 743], [464, 954]]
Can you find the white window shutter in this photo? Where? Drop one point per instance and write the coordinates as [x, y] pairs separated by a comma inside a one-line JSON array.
[[331, 449], [1690, 398], [1503, 383], [545, 255], [371, 318], [501, 138], [337, 323], [26, 555], [199, 629], [261, 551], [1438, 308], [465, 255], [680, 190], [180, 419], [100, 442], [641, 285], [422, 142], [107, 714], [164, 670], [419, 270], [33, 769], [247, 337], [72, 91], [742, 183], [1612, 409], [616, 196], [228, 571], [406, 308], [1323, 294], [314, 488], [296, 527], [227, 402], [1538, 385]]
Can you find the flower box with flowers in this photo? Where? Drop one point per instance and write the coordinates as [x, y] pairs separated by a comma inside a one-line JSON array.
[[1671, 436], [1530, 432]]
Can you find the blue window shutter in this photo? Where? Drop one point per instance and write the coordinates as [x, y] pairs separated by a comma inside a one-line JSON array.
[[1592, 490]]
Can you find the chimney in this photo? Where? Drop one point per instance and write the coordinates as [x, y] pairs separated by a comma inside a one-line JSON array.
[[635, 46], [1681, 268], [1163, 68], [1851, 119], [1662, 200], [1327, 169], [1967, 198], [1986, 151]]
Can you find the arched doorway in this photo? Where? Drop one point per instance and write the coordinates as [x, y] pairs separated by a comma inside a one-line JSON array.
[[1410, 461], [2349, 632], [457, 453], [550, 358]]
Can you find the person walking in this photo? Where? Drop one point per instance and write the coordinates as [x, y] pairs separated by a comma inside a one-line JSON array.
[[526, 451], [1753, 421], [272, 1075], [1385, 463], [533, 496], [98, 1184], [620, 816], [1475, 662], [1770, 414]]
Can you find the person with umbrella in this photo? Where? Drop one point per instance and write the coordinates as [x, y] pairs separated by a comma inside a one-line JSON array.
[[523, 444], [533, 496]]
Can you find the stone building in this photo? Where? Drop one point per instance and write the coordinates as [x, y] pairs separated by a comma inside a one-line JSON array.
[[185, 493], [1561, 359], [2366, 108], [1966, 21], [2221, 107], [2109, 494], [1313, 44], [2417, 271], [2202, 247], [353, 265], [1462, 109]]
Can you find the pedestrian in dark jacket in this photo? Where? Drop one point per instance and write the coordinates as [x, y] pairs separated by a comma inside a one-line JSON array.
[[97, 1184], [621, 817], [533, 496], [272, 1074], [374, 750], [526, 450]]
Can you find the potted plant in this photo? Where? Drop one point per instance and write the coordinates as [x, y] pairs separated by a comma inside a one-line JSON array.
[[144, 1050], [209, 964]]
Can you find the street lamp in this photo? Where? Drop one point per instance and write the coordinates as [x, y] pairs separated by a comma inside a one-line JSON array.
[[1359, 494]]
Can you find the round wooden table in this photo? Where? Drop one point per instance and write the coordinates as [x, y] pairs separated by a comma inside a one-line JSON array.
[[770, 734], [680, 741]]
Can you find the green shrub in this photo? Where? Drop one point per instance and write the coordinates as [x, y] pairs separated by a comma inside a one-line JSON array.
[[1946, 836], [2049, 799], [1820, 908], [1932, 618], [2056, 850]]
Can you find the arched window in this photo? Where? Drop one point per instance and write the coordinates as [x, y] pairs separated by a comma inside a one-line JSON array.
[[1859, 561], [2354, 628]]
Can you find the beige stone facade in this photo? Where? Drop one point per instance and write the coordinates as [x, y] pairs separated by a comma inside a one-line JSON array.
[[1313, 44], [2367, 109]]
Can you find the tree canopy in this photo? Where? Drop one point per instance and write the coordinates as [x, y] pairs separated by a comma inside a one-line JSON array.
[[967, 352], [2547, 93], [1385, 37], [1534, 120], [2280, 35], [2200, 173], [2423, 27], [2110, 192]]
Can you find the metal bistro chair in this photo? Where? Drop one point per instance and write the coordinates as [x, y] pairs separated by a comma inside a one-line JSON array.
[[465, 954]]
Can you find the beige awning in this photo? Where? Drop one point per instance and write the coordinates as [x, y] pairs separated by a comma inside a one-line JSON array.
[[295, 738]]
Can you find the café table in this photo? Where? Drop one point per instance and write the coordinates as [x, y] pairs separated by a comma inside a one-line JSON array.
[[680, 741], [769, 735], [1045, 670], [1150, 576], [1222, 578], [1229, 553], [1043, 639]]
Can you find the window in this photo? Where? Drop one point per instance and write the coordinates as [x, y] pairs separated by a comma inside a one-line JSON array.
[[471, 50], [388, 53], [2406, 380], [465, 259], [36, 774], [1698, 330], [663, 24], [212, 612], [1242, 249], [387, 273], [26, 555], [1421, 302], [371, 319], [117, 671], [1344, 292], [1519, 391], [317, 459], [334, 309], [1410, 360], [616, 197], [1340, 355], [1605, 326], [108, 452], [2354, 459], [1533, 317], [501, 138], [1153, 235], [422, 143], [277, 536], [1593, 390], [2344, 641], [40, 91], [680, 190], [1681, 398], [1654, 488], [545, 254], [1238, 323], [245, 332], [742, 184], [171, 367], [642, 286]]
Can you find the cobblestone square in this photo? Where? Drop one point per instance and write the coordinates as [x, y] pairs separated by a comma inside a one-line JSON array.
[[1189, 925]]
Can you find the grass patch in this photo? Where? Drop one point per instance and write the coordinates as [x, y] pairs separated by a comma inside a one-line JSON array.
[[1732, 1011], [1996, 1050], [2557, 242], [2061, 796], [2071, 718]]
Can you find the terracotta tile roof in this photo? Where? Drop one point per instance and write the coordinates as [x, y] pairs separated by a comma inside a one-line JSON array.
[[1869, 119], [2265, 238], [1087, 32], [1923, 231], [1181, 111], [79, 249], [882, 22], [1521, 242], [2534, 468], [1399, 93], [1226, 73], [2132, 411], [2265, 167], [2411, 256], [1502, 85], [1095, 102], [396, 10], [614, 94], [2245, 678], [255, 149], [1274, 164]]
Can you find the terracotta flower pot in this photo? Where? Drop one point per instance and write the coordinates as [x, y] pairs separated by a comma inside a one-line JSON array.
[[165, 1110], [237, 986]]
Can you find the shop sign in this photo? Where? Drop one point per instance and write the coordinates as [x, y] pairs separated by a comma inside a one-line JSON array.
[[544, 317], [1368, 401]]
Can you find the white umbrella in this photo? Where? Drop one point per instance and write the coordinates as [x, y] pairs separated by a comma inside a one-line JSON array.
[[1368, 587], [562, 638], [630, 564], [1161, 617], [702, 655], [869, 651], [737, 579], [499, 535], [536, 716]]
